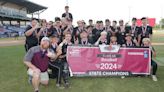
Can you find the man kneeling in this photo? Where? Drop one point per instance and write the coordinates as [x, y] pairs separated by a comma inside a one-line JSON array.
[[36, 59]]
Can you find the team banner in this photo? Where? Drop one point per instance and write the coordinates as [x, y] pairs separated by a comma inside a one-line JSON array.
[[94, 61]]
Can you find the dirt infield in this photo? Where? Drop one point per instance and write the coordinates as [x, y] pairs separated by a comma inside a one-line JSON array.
[[157, 43], [11, 43], [22, 41]]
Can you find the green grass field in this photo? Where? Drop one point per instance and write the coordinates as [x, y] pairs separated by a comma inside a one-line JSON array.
[[158, 37], [13, 77]]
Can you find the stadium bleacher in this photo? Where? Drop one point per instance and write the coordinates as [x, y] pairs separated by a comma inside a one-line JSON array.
[[16, 10]]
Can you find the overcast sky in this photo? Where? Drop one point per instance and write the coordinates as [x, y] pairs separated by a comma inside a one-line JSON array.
[[102, 9]]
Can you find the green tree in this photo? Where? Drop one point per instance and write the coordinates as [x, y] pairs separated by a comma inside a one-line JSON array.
[[161, 23]]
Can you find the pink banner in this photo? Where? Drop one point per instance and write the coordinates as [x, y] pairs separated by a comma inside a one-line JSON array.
[[90, 61]]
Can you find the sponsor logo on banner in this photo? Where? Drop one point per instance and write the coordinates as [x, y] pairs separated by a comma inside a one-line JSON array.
[[75, 52], [109, 48]]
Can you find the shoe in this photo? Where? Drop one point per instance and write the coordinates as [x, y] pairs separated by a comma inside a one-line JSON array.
[[30, 79], [66, 85], [37, 91], [59, 86], [154, 78], [122, 77]]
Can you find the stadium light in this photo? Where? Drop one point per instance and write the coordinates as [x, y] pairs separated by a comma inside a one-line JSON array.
[[67, 2]]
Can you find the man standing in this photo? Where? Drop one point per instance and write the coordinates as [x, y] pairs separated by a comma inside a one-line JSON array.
[[62, 58], [146, 30], [121, 32], [114, 30], [43, 31], [31, 34], [90, 23], [97, 30], [108, 25], [134, 30], [78, 30], [67, 14], [36, 59], [57, 29]]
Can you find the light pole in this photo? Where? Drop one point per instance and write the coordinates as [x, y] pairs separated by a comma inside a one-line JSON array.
[[161, 23], [67, 2], [129, 8]]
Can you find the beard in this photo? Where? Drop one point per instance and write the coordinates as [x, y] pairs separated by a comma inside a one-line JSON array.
[[45, 46]]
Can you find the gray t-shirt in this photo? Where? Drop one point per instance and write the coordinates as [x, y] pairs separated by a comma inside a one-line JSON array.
[[38, 58]]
